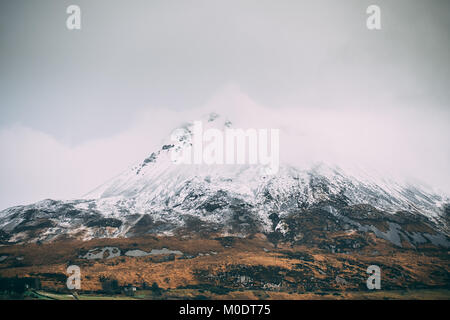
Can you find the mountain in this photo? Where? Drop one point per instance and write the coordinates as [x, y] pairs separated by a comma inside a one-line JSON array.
[[298, 205], [231, 232]]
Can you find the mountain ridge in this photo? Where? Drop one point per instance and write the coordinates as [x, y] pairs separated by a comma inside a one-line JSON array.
[[158, 196]]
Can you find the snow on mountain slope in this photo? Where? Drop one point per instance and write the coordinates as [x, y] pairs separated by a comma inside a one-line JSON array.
[[159, 196], [158, 180]]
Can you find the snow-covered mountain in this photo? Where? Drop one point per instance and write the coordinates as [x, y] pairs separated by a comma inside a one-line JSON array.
[[158, 196]]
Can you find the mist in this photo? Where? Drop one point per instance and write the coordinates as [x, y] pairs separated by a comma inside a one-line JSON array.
[[79, 107], [404, 145]]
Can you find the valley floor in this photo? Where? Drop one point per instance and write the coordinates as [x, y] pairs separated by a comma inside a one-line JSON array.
[[218, 267]]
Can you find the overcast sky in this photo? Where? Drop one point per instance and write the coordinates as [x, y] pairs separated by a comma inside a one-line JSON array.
[[78, 107]]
